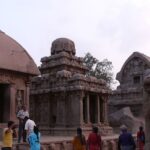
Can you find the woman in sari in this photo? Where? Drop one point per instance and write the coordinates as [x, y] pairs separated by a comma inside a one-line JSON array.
[[34, 139], [140, 138], [94, 140], [79, 142]]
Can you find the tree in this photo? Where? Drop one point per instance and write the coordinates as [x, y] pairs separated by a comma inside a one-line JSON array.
[[99, 69]]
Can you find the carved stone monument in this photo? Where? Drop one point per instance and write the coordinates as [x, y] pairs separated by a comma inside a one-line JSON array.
[[16, 69], [63, 97], [130, 91], [147, 107]]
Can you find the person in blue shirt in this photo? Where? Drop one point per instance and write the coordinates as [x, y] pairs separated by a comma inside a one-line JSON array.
[[126, 140], [34, 139]]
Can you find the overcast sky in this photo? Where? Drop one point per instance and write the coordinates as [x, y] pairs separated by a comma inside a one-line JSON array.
[[111, 29]]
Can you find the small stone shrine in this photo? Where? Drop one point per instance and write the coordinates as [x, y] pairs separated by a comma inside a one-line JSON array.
[[63, 98], [16, 70], [130, 91]]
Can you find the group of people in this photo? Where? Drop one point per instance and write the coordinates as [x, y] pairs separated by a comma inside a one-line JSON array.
[[27, 131], [94, 142], [126, 140]]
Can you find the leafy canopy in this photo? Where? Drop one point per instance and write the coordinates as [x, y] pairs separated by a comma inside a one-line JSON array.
[[99, 69]]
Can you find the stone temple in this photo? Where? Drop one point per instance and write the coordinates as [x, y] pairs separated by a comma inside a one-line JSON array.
[[16, 70], [147, 107], [63, 97], [130, 91]]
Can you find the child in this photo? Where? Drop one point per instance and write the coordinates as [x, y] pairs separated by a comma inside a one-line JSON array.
[[8, 136]]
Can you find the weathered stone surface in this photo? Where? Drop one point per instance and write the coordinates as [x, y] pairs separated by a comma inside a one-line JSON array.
[[16, 69], [63, 45], [130, 91], [108, 143], [125, 116], [147, 108], [14, 57], [66, 95]]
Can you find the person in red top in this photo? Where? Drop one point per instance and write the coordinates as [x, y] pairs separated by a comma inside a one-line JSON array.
[[141, 138], [94, 140]]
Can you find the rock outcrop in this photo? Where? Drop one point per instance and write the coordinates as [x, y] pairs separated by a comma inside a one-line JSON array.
[[125, 116]]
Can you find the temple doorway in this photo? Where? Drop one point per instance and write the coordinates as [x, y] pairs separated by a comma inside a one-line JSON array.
[[93, 108], [4, 103]]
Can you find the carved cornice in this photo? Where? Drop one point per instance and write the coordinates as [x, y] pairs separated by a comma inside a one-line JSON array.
[[11, 76], [62, 59]]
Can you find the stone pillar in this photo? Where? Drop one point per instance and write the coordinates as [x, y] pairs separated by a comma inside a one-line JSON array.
[[105, 110], [76, 109], [101, 109], [88, 109], [13, 102], [27, 94], [60, 120], [81, 110], [98, 110]]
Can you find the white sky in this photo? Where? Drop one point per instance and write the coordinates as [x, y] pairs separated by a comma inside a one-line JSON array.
[[111, 29]]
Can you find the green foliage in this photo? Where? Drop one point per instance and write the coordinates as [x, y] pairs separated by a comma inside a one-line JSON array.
[[99, 69]]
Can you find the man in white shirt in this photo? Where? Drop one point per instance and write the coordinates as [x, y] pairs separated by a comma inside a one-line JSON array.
[[22, 113], [29, 125]]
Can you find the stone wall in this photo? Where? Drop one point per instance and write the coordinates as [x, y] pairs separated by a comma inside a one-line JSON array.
[[147, 107], [108, 143], [130, 91]]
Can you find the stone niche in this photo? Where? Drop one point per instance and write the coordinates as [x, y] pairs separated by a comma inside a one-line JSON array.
[[64, 98], [130, 91]]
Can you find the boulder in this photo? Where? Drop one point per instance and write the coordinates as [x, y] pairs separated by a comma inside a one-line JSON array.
[[125, 116]]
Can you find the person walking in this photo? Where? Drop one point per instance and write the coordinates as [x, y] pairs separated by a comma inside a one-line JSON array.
[[94, 141], [126, 140], [34, 139], [7, 140], [22, 113], [29, 125], [140, 138], [79, 142]]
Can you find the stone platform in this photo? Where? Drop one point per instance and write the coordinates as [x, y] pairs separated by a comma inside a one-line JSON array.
[[64, 143]]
